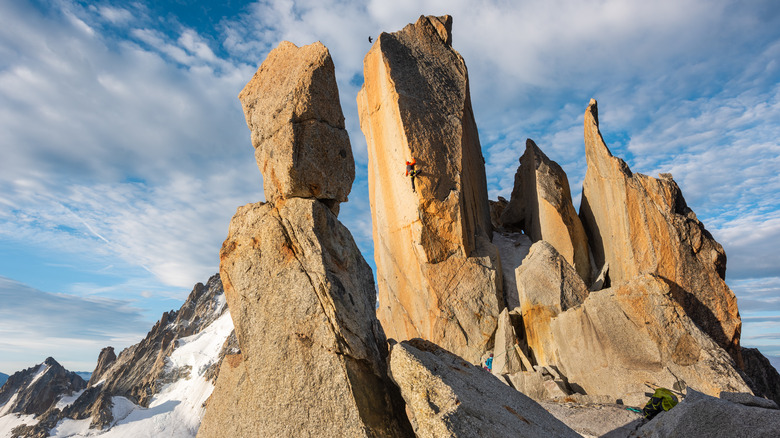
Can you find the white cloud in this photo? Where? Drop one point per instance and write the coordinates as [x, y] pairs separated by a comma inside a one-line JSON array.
[[173, 230], [751, 243], [111, 148], [115, 15]]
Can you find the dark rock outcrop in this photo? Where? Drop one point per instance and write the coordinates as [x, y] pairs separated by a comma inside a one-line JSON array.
[[105, 359], [230, 347], [764, 378], [497, 208]]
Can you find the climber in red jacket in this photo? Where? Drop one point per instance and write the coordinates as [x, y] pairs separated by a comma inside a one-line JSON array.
[[411, 172]]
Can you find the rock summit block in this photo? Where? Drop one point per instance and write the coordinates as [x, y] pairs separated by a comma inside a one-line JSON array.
[[292, 109]]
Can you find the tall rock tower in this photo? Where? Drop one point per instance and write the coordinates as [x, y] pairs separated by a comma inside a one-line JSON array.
[[301, 296], [438, 273], [642, 225]]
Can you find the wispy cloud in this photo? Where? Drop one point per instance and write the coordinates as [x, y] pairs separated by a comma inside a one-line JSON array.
[[173, 230], [110, 149], [36, 324]]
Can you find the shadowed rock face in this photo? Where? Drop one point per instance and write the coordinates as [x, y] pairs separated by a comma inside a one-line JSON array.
[[639, 224], [302, 297], [541, 206], [436, 268], [765, 380], [293, 112]]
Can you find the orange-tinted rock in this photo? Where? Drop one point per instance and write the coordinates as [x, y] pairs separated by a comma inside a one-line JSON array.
[[541, 206], [547, 285], [639, 225], [635, 332], [292, 109], [437, 270]]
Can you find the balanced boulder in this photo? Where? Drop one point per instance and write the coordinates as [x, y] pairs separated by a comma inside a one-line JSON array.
[[301, 296], [293, 112]]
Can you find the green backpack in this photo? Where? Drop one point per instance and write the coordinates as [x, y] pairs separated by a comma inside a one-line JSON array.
[[661, 400]]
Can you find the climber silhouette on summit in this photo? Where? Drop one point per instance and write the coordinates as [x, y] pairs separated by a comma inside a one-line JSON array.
[[369, 39], [411, 172]]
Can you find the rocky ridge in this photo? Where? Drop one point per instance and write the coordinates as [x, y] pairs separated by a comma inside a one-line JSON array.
[[642, 225], [140, 370], [583, 334], [309, 356]]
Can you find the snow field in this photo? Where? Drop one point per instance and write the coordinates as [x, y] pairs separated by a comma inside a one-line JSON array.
[[176, 411]]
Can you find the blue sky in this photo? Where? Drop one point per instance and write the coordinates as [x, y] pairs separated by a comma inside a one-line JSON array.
[[125, 151]]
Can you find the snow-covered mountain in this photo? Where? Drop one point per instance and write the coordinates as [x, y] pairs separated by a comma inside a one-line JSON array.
[[157, 387], [34, 391]]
